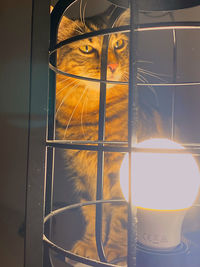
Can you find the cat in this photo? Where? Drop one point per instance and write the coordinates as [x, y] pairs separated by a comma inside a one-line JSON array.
[[77, 115]]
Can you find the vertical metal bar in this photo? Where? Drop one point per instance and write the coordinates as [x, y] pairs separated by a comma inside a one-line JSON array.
[[101, 134], [50, 152], [174, 78], [100, 162], [49, 179], [133, 90], [48, 204], [132, 128]]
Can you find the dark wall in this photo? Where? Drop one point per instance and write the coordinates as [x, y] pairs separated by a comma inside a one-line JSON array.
[[24, 28], [15, 28]]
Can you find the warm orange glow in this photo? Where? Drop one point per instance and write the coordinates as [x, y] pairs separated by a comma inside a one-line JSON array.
[[161, 181]]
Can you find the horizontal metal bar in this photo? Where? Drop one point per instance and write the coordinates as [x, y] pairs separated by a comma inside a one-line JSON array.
[[90, 35], [69, 254], [170, 84], [96, 142], [189, 149], [88, 147], [179, 25], [88, 203], [189, 145], [74, 256], [82, 204], [119, 82], [84, 78]]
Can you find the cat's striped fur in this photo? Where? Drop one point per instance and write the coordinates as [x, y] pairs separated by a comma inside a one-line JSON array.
[[77, 114]]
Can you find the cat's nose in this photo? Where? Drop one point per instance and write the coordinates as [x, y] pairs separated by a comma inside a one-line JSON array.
[[112, 67]]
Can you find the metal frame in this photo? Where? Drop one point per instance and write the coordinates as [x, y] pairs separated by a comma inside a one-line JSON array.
[[99, 145]]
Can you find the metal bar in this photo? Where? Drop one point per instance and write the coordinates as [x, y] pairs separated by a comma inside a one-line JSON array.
[[170, 84], [50, 152], [89, 35], [99, 195], [89, 142], [84, 78], [183, 25], [82, 204], [101, 136], [132, 128], [174, 67], [48, 203], [194, 150], [179, 25], [82, 142], [100, 161], [121, 82], [56, 16], [75, 257]]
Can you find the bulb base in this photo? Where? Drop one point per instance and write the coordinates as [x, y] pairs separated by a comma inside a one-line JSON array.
[[159, 229], [177, 257]]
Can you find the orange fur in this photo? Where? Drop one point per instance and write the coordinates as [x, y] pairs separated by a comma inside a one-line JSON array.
[[77, 104]]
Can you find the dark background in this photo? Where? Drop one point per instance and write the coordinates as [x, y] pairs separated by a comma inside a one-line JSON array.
[[15, 28]]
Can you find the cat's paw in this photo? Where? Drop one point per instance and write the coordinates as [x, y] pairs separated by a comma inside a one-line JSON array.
[[117, 254], [86, 249]]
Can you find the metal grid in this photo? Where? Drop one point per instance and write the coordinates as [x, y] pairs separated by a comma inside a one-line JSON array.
[[98, 146]]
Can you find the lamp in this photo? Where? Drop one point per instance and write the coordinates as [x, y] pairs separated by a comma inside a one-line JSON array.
[[164, 186]]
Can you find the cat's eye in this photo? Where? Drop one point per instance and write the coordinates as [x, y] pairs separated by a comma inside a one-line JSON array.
[[119, 44], [86, 49]]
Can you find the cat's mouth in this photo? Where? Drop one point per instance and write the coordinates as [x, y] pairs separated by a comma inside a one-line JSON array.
[[111, 79], [114, 77]]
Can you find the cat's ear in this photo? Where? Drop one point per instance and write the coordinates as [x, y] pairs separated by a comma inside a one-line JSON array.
[[124, 19], [65, 29], [51, 8]]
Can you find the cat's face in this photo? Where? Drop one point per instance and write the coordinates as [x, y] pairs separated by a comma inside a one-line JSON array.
[[83, 57], [77, 101]]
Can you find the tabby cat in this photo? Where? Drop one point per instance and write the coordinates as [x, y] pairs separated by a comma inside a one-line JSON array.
[[77, 114]]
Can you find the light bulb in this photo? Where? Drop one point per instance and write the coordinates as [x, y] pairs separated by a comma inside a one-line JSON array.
[[164, 186]]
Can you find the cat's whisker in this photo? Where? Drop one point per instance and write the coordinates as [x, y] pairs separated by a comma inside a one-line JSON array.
[[144, 61], [73, 82], [77, 27], [63, 80], [148, 71], [72, 114], [84, 11], [81, 5], [140, 79], [144, 80], [82, 112], [79, 31], [65, 97], [152, 74], [125, 76]]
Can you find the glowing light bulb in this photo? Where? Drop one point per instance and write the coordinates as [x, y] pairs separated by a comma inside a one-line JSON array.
[[164, 186]]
